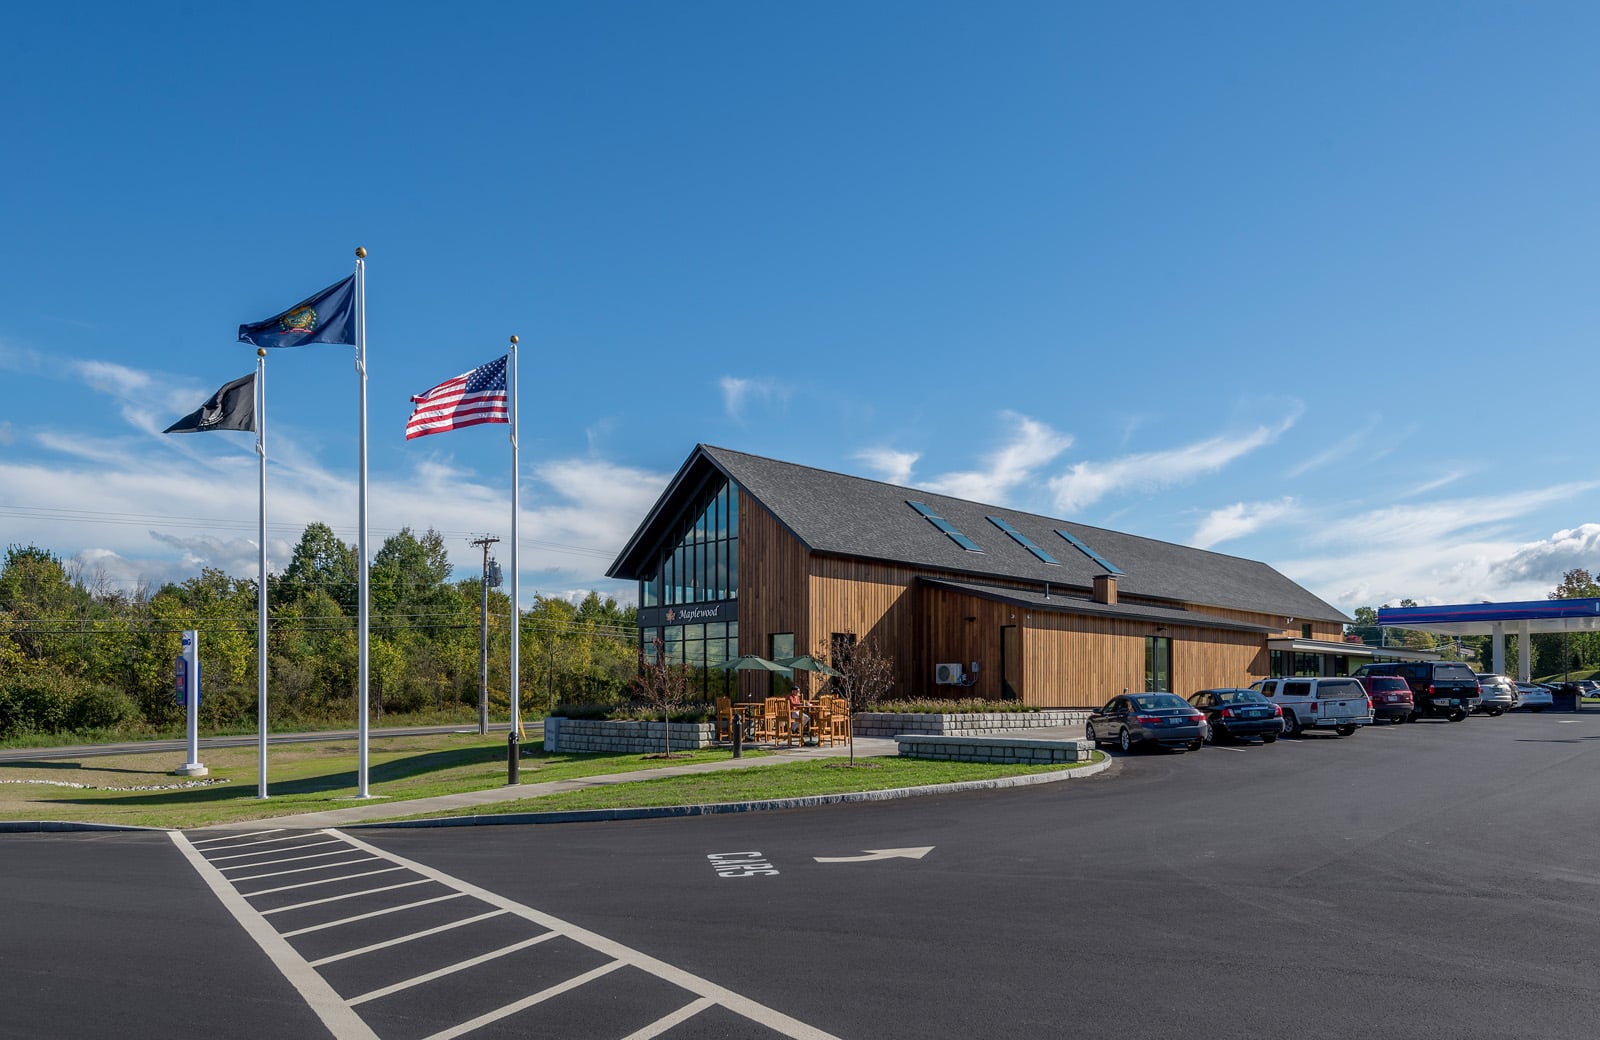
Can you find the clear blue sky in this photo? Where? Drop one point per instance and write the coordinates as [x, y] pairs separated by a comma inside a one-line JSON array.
[[1310, 286]]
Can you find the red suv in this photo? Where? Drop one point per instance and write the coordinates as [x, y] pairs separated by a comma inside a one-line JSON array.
[[1390, 696]]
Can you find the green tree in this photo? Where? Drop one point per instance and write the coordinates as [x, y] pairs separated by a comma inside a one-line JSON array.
[[320, 562]]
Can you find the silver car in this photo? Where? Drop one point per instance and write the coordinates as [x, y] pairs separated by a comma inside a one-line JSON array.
[[1533, 697], [1499, 693]]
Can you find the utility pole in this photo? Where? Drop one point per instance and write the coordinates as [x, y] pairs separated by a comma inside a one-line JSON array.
[[483, 638]]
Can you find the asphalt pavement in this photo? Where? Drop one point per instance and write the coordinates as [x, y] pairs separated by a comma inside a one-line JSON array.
[[1431, 880]]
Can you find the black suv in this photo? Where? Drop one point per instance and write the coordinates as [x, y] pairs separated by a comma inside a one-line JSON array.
[[1442, 689]]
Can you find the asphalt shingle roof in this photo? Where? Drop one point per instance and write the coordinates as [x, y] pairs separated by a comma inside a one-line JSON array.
[[838, 514]]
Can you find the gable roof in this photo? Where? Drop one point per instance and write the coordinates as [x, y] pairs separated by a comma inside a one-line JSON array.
[[841, 515]]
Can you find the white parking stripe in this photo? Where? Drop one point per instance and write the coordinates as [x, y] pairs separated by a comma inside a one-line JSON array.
[[471, 962], [309, 884], [347, 895], [737, 1003], [302, 870], [287, 859], [340, 1019], [405, 939], [372, 914], [661, 1025], [235, 837], [296, 836], [268, 852], [525, 1003]]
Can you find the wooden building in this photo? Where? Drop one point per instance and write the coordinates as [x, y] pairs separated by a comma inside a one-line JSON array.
[[743, 554]]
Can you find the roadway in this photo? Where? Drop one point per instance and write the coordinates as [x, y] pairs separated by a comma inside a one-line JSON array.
[[1433, 880]]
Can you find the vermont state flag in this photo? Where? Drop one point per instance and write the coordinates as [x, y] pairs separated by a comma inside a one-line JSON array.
[[327, 317]]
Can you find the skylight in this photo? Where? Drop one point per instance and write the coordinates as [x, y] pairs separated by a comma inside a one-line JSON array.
[[1024, 541], [1096, 557], [944, 525]]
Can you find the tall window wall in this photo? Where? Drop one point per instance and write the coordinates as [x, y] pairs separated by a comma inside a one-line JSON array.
[[700, 567], [703, 565]]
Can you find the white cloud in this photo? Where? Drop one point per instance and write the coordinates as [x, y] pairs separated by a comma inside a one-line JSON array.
[[1088, 482], [1033, 444], [737, 393], [893, 467], [1333, 453], [1241, 519], [1548, 559], [1442, 552]]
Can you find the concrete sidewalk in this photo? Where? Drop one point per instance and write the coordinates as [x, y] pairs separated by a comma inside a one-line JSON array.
[[384, 808]]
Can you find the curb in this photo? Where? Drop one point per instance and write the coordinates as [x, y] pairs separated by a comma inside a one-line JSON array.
[[33, 826], [810, 801]]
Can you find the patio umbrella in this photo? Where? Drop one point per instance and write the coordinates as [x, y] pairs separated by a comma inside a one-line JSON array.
[[752, 663], [807, 663]]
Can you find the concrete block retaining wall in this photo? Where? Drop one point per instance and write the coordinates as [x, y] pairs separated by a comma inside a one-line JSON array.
[[892, 724], [1009, 750], [571, 736]]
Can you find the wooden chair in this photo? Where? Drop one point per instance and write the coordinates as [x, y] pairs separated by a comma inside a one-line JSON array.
[[773, 722], [725, 719], [822, 721], [840, 719]]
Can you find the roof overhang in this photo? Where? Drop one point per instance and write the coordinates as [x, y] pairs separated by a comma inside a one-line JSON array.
[[1483, 619], [1328, 646], [1039, 601]]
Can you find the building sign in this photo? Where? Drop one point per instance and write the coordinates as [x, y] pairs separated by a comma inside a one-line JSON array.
[[689, 614]]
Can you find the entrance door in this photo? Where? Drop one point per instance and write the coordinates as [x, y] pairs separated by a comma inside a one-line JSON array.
[[1010, 662]]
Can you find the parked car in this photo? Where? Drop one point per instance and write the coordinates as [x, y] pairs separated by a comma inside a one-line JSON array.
[[1320, 702], [1236, 714], [1439, 689], [1498, 694], [1390, 696], [1533, 697], [1147, 718], [1588, 687]]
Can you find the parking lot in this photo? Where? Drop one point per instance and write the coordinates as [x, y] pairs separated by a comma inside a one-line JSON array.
[[1429, 880]]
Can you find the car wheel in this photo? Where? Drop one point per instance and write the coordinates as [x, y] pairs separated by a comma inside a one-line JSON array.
[[1344, 731], [1196, 745], [1495, 713], [1088, 731], [1457, 715], [1291, 725], [1125, 739], [1269, 738], [1414, 716], [1213, 734]]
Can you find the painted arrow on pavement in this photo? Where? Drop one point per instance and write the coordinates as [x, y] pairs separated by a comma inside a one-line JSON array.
[[873, 854]]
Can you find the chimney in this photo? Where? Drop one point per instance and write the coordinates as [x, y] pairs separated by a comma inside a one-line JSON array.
[[1105, 588]]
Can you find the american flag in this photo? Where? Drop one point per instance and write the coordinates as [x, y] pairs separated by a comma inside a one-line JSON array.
[[471, 398]]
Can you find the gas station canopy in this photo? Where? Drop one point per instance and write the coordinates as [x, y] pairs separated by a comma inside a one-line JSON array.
[[1484, 619]]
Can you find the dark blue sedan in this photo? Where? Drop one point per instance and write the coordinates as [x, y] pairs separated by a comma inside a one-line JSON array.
[[1134, 719], [1234, 714]]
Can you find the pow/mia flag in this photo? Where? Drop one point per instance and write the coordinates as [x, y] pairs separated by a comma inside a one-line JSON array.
[[231, 408]]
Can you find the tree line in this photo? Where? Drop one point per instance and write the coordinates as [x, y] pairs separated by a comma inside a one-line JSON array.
[[1553, 654], [79, 655]]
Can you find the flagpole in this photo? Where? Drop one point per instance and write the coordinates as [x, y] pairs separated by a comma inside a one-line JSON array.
[[516, 618], [361, 537], [261, 576]]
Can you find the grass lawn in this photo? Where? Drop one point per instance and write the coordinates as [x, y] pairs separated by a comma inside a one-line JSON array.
[[301, 777], [789, 780]]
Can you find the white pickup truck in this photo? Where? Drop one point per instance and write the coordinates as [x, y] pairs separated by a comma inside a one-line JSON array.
[[1324, 702]]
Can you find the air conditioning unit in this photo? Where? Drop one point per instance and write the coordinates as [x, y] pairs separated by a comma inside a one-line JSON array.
[[947, 674]]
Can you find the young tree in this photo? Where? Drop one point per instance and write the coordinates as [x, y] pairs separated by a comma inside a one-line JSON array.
[[866, 675], [663, 685]]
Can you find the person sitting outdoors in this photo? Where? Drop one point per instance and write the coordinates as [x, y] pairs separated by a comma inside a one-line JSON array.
[[799, 721]]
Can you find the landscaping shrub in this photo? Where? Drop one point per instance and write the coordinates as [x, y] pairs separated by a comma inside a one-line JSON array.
[[102, 707]]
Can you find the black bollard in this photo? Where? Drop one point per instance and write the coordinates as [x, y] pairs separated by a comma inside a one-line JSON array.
[[738, 736], [513, 759]]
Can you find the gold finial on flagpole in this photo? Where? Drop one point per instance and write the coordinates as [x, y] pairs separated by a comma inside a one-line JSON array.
[[361, 252], [261, 352], [513, 341]]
